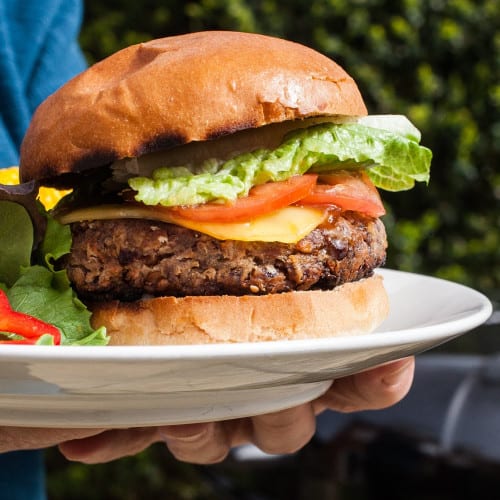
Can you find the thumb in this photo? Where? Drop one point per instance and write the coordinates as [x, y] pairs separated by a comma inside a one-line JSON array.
[[373, 389]]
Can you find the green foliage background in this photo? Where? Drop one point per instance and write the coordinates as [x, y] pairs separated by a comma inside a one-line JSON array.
[[436, 61]]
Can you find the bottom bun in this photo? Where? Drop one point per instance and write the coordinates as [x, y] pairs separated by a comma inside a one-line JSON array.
[[350, 309]]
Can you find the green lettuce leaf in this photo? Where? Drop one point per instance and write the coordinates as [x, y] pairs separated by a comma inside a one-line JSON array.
[[16, 240], [38, 292], [393, 162], [387, 147], [39, 289], [398, 124]]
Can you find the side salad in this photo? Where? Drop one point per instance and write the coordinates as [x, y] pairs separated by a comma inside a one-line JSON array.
[[37, 303]]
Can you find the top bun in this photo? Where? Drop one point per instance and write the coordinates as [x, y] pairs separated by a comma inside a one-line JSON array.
[[176, 90]]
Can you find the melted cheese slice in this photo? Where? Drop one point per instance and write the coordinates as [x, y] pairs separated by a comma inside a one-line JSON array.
[[287, 225]]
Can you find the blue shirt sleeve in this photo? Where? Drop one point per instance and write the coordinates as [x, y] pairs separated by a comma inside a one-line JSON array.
[[39, 52], [22, 475]]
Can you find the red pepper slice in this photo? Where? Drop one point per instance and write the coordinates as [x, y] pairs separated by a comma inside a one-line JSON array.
[[24, 325]]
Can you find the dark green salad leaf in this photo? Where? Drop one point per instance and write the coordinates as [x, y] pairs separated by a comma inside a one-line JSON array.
[[32, 283], [16, 239]]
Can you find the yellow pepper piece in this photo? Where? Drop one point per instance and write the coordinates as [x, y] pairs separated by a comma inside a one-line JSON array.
[[48, 196]]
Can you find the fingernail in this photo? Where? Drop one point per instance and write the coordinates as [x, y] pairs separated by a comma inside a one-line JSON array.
[[184, 433]]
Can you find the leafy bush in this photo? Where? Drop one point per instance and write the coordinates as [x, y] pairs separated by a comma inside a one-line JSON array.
[[153, 475], [435, 61]]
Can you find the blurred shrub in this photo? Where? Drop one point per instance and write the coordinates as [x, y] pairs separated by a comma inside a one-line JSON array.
[[151, 475], [436, 61]]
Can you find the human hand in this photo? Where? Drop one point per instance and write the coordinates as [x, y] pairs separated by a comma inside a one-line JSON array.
[[276, 433]]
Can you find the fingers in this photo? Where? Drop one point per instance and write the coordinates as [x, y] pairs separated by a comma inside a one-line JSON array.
[[197, 443], [371, 390], [285, 431], [276, 433], [26, 438], [109, 445]]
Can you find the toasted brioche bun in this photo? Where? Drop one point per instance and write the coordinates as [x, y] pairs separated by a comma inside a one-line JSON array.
[[172, 91], [191, 97], [351, 309]]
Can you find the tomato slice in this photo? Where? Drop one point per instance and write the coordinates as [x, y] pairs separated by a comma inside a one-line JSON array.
[[261, 200], [348, 191]]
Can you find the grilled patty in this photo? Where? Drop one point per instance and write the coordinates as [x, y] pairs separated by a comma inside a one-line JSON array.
[[126, 259]]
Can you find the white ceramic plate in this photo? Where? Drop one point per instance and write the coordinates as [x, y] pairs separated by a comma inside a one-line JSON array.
[[44, 386]]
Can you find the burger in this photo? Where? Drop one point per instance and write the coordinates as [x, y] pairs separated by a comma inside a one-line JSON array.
[[224, 189]]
